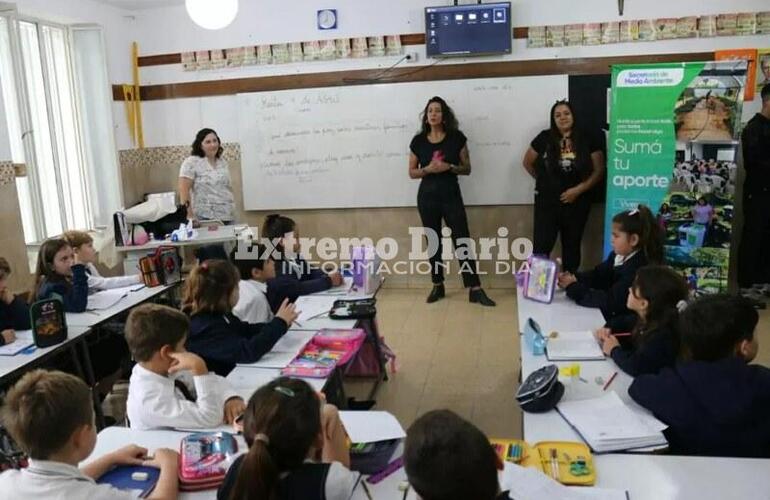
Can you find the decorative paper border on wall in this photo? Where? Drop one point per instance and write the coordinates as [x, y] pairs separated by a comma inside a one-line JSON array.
[[294, 52], [151, 157], [648, 30], [7, 173]]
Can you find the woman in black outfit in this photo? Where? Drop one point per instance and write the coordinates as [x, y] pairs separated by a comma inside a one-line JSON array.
[[566, 163], [439, 154]]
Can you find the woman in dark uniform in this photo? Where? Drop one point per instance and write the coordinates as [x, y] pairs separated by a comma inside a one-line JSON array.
[[439, 154], [566, 163]]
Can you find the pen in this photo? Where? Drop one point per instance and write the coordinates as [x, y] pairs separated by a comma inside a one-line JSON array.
[[610, 381], [366, 490], [623, 334]]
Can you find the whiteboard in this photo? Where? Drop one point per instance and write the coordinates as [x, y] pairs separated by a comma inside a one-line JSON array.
[[346, 147]]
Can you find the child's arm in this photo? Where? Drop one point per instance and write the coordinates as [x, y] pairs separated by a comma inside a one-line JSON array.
[[76, 297], [589, 281], [170, 410], [288, 287], [17, 313], [167, 487], [128, 455], [102, 283], [335, 438], [262, 337]]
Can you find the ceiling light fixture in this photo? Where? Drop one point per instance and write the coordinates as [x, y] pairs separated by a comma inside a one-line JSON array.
[[212, 14]]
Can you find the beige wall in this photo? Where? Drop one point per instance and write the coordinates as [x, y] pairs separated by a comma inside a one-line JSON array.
[[157, 171], [12, 245]]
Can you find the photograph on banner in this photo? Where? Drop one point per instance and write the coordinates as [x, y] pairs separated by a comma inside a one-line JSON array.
[[709, 109], [696, 215], [763, 69], [673, 146], [750, 57]]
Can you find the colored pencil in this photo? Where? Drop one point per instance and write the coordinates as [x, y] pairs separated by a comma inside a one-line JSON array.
[[610, 381]]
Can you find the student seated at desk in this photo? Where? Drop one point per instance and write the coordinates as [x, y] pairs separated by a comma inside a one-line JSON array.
[[448, 458], [714, 403], [216, 334], [83, 245], [255, 270], [297, 448], [50, 415], [14, 312], [656, 296], [59, 273], [636, 242], [293, 275], [170, 387]]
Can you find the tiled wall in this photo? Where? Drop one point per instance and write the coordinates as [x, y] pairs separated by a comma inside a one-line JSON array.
[[156, 169]]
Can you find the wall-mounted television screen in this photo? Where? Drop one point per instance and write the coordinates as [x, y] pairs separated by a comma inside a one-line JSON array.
[[468, 30]]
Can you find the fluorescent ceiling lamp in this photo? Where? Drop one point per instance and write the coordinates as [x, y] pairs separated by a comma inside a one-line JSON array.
[[212, 14]]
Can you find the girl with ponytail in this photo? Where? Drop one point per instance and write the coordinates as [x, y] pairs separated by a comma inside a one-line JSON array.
[[297, 448], [216, 334], [657, 295], [636, 241]]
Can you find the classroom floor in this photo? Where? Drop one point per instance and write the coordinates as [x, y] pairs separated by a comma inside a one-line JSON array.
[[461, 356]]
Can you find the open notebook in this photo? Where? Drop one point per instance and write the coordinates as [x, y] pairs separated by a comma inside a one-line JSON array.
[[526, 483], [608, 424], [573, 346]]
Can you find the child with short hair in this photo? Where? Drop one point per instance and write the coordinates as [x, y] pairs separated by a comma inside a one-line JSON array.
[[255, 270], [59, 273], [448, 458], [216, 334], [50, 415], [297, 448], [636, 242], [294, 276], [170, 387], [655, 296], [83, 245], [715, 403], [14, 312]]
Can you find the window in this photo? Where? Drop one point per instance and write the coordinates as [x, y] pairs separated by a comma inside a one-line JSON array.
[[43, 77]]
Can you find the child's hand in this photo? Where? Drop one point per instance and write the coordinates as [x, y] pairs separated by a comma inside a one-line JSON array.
[[163, 457], [601, 334], [6, 295], [610, 343], [287, 312], [233, 408], [566, 279], [336, 278], [8, 336], [129, 455], [187, 361]]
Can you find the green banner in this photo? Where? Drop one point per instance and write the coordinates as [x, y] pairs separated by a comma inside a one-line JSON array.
[[673, 147]]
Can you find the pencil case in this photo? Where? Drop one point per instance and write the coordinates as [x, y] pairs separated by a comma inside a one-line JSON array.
[[204, 458], [370, 458], [572, 466]]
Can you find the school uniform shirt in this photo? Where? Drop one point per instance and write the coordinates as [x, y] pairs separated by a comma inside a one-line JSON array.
[[49, 480], [97, 282], [252, 306], [444, 184], [294, 278], [212, 194], [553, 176], [311, 481], [720, 408], [657, 349], [14, 316], [606, 288], [74, 294], [155, 400], [223, 340]]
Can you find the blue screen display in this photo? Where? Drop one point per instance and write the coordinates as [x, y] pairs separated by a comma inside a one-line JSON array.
[[463, 30]]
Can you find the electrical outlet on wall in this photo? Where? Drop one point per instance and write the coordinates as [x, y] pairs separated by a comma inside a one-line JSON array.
[[412, 57]]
